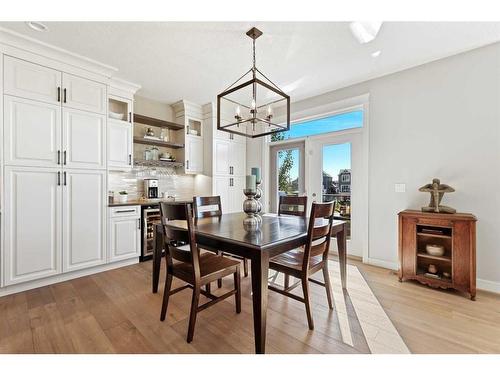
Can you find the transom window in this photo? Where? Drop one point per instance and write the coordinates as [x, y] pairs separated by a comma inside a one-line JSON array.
[[342, 121]]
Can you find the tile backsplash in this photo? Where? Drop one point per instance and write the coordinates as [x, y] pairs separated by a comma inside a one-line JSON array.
[[179, 186]]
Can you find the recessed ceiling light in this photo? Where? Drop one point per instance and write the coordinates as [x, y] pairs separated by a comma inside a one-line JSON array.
[[37, 26], [365, 32], [376, 53]]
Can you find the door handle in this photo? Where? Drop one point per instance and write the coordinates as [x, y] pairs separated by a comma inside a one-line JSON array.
[[58, 157], [130, 117], [64, 178], [187, 164], [139, 223], [64, 95], [64, 157], [58, 178], [129, 159], [59, 93]]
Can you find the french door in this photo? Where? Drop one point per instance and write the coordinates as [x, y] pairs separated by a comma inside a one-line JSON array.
[[287, 171], [336, 171]]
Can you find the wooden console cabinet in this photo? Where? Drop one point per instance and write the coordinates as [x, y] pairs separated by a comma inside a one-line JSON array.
[[455, 232]]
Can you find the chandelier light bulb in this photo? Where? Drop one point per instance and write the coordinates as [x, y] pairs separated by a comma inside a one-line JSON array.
[[238, 111], [253, 104]]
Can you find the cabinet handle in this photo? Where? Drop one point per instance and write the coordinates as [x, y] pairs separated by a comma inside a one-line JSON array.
[[124, 211], [58, 178], [64, 157], [64, 178], [58, 157], [129, 159], [65, 95], [187, 129], [187, 164], [59, 93], [130, 117], [139, 224], [231, 183]]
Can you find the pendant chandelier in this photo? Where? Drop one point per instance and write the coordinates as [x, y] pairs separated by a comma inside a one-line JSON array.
[[247, 106]]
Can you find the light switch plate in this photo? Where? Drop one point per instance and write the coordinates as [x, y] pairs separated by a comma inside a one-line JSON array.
[[400, 188]]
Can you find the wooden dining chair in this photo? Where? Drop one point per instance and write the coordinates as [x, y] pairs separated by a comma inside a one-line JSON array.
[[302, 264], [292, 205], [212, 207], [185, 262]]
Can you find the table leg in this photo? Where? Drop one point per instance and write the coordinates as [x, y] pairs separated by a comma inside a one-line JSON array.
[[342, 249], [260, 268], [157, 251]]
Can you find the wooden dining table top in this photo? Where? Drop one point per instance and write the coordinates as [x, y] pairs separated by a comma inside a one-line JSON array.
[[273, 229]]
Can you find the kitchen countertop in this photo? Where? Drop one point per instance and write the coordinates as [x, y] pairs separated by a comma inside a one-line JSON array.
[[146, 202]]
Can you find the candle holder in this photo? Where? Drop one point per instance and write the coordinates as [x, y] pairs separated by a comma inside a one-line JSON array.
[[250, 207], [258, 195]]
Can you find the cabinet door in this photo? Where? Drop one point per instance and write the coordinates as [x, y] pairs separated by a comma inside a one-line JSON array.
[[125, 238], [32, 132], [32, 224], [237, 196], [238, 158], [194, 154], [84, 202], [84, 94], [84, 136], [119, 145], [221, 157], [222, 187], [31, 81]]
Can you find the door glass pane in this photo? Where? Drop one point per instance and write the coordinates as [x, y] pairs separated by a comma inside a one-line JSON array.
[[337, 180], [288, 172]]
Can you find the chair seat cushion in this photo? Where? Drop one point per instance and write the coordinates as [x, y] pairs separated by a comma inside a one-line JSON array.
[[293, 260], [209, 264]]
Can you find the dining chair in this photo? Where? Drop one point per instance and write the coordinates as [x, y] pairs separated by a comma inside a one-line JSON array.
[[302, 264], [292, 205], [185, 262], [212, 207]]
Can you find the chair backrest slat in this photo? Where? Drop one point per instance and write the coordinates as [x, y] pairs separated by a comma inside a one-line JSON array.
[[292, 205], [318, 232], [207, 206], [180, 244]]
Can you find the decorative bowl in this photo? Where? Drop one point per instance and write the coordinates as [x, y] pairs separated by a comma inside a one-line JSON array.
[[117, 116], [435, 250]]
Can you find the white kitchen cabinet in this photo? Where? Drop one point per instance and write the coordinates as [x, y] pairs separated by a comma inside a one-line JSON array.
[[124, 233], [84, 218], [32, 132], [84, 94], [32, 223], [237, 159], [120, 145], [222, 157], [221, 186], [194, 154], [84, 139], [32, 81], [236, 194]]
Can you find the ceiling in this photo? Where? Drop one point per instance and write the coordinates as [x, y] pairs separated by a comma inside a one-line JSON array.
[[198, 60]]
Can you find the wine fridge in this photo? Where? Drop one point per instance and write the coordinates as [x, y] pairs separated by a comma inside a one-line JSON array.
[[150, 216]]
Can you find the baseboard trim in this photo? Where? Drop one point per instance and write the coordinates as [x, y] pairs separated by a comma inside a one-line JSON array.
[[487, 285], [382, 263], [11, 289]]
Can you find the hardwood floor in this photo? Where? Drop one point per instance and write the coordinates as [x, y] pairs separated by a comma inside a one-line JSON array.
[[115, 312]]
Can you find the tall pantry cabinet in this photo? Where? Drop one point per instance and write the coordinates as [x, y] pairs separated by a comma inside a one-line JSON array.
[[54, 153]]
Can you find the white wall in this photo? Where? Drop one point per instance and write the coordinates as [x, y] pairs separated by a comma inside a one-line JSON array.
[[440, 119]]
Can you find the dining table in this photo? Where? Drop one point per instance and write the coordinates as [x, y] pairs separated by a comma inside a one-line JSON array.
[[274, 235]]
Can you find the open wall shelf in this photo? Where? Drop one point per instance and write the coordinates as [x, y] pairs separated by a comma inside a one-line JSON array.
[[141, 119], [154, 142]]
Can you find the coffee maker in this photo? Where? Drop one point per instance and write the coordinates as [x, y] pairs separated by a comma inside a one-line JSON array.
[[151, 188]]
